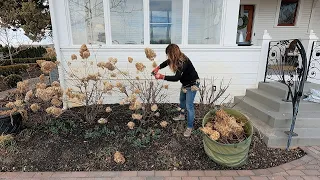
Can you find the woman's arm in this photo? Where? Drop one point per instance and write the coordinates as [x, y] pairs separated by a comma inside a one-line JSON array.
[[178, 74], [164, 64]]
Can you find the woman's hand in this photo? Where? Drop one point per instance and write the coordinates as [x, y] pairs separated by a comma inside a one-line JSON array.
[[159, 76], [156, 70]]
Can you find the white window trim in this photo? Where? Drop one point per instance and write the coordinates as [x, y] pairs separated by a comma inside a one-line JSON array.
[[300, 4], [146, 40]]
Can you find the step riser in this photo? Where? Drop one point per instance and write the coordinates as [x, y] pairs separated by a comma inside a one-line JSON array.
[[275, 142], [283, 106], [278, 92], [252, 110], [278, 123], [263, 100]]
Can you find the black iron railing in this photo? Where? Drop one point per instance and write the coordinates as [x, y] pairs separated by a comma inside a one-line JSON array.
[[314, 62], [287, 64]]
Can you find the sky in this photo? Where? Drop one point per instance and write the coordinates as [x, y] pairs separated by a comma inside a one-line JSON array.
[[18, 38]]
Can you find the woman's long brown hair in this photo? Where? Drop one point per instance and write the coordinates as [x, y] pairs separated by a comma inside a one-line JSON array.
[[175, 56]]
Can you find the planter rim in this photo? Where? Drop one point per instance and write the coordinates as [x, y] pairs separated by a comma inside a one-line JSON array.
[[242, 142]]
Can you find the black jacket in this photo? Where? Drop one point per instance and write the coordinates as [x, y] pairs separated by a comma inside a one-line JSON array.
[[186, 73]]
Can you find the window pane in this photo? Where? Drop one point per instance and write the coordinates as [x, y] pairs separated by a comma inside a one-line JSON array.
[[205, 18], [287, 14], [126, 21], [165, 21], [87, 21]]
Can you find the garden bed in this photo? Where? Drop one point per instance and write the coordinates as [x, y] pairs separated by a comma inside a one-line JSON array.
[[67, 144]]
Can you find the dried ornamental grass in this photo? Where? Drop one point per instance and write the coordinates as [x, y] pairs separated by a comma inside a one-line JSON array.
[[119, 158]]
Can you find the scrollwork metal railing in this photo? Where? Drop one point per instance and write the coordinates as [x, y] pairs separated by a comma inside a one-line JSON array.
[[287, 64], [314, 62]]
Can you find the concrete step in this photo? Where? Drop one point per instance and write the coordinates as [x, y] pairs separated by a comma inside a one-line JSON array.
[[276, 119], [274, 88], [276, 138], [277, 104]]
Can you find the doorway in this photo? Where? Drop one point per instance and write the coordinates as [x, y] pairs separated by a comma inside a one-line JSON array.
[[245, 24]]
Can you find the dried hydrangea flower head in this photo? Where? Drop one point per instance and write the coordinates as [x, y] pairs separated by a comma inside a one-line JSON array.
[[39, 62], [50, 53], [130, 125], [23, 86], [166, 86], [10, 105], [107, 86], [130, 59], [154, 64], [84, 52], [34, 107], [119, 158], [154, 107], [54, 111], [29, 95], [215, 135], [102, 121], [140, 67], [42, 78], [110, 66], [108, 109], [74, 57], [55, 84], [113, 60], [164, 124], [157, 114], [47, 66], [137, 116], [56, 102], [150, 54]]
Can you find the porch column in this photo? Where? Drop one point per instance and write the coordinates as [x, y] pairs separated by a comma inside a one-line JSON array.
[[231, 22], [263, 56]]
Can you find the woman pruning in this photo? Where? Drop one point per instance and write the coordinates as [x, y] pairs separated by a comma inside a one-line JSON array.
[[184, 71]]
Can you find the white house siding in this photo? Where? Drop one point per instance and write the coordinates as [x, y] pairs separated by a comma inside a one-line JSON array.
[[266, 19], [237, 64], [315, 20]]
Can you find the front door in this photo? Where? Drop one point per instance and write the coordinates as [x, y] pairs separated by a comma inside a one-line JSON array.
[[245, 23]]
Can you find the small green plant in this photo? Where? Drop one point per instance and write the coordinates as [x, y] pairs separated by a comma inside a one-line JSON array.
[[12, 80], [59, 126], [141, 137], [98, 131]]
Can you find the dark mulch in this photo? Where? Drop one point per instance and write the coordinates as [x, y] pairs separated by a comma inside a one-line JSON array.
[[65, 145], [32, 72]]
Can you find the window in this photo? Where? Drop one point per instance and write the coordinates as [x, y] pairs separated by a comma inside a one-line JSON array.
[[288, 12], [126, 21], [165, 21], [205, 21], [87, 21]]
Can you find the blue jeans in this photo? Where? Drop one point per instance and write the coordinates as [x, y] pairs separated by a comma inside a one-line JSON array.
[[186, 103]]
